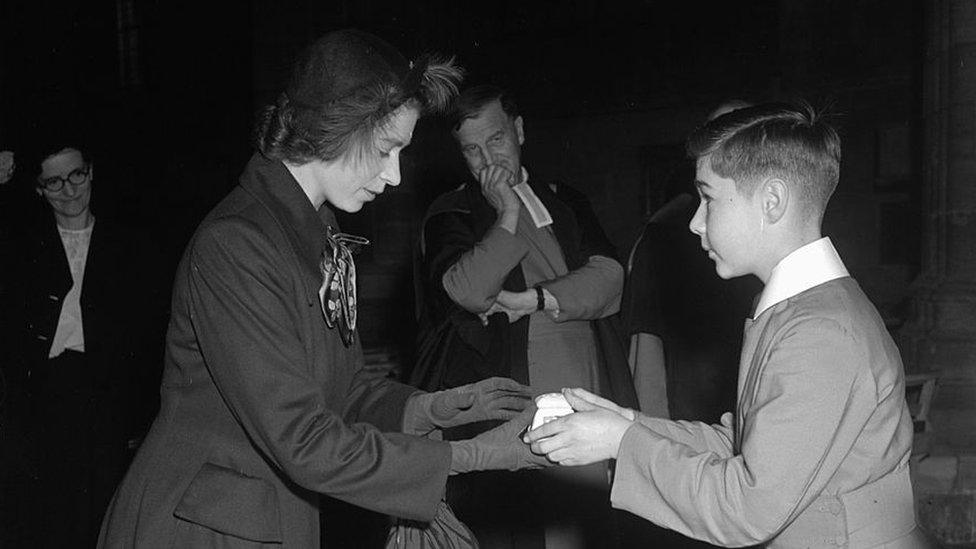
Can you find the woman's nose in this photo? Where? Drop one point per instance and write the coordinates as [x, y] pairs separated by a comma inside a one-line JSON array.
[[391, 172]]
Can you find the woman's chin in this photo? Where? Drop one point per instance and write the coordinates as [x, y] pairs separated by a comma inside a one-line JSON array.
[[351, 206]]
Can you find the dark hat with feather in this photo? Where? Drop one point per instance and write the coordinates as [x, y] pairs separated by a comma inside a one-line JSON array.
[[348, 62], [344, 87]]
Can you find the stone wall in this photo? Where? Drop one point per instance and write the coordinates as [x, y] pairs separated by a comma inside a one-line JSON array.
[[941, 338]]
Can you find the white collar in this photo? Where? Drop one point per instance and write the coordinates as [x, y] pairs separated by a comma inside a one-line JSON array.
[[805, 267], [540, 215]]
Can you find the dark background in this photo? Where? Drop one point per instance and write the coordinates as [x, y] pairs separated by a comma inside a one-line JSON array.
[[168, 90]]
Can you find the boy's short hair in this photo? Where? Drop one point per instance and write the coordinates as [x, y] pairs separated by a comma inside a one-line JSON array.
[[474, 99], [790, 141]]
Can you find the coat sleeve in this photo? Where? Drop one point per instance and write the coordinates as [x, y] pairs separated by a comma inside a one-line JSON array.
[[377, 399], [699, 436], [476, 272], [813, 399], [246, 324], [589, 292], [594, 287]]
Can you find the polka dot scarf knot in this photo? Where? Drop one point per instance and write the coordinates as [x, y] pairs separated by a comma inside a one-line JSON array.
[[337, 295]]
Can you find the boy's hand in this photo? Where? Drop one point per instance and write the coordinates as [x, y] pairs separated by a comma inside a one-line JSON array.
[[590, 435], [577, 395]]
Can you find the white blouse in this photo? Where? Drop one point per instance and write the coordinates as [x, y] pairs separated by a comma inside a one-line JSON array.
[[70, 333]]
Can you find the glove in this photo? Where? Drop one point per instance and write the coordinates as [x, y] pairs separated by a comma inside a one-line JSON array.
[[498, 449], [492, 398]]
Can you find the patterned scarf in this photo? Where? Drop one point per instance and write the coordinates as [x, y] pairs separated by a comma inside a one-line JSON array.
[[337, 295]]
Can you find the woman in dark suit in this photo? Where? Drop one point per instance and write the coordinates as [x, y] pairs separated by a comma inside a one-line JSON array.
[[78, 356], [265, 404]]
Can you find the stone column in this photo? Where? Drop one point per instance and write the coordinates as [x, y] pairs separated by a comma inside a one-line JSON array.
[[941, 337]]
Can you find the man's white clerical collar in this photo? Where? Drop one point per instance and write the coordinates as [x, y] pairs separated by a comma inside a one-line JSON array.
[[540, 215]]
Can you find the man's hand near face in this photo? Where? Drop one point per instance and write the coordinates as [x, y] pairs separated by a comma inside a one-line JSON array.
[[496, 185]]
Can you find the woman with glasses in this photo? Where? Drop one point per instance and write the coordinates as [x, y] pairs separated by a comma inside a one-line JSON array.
[[65, 182], [80, 357], [265, 402]]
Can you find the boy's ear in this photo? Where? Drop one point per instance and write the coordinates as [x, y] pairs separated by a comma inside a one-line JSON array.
[[775, 195]]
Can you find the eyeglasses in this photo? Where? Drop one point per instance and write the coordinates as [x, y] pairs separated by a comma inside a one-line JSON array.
[[337, 296], [54, 184]]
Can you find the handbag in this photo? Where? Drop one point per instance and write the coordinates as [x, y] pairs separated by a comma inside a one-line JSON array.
[[445, 531]]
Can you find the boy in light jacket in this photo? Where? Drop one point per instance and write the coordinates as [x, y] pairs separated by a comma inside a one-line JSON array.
[[816, 452]]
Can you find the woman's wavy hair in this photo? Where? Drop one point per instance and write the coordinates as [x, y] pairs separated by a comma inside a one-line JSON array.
[[346, 128]]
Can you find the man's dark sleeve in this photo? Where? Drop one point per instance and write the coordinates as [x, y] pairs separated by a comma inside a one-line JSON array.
[[445, 238]]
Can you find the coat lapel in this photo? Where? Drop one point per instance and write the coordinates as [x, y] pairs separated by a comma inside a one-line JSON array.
[[52, 262], [564, 225], [274, 187]]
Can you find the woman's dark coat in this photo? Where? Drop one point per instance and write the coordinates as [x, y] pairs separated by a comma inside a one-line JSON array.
[[263, 406]]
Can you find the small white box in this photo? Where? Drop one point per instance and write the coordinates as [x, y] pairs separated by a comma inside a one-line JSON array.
[[550, 406]]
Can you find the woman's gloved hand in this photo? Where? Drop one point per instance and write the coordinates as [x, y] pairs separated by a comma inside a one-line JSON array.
[[492, 398], [501, 448]]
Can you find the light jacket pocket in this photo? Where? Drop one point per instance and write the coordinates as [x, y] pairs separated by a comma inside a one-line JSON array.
[[232, 503]]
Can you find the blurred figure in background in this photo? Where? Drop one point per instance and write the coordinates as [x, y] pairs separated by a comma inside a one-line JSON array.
[[81, 353], [684, 322]]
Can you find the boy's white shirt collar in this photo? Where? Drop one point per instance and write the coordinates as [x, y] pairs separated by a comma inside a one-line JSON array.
[[540, 215], [804, 268]]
